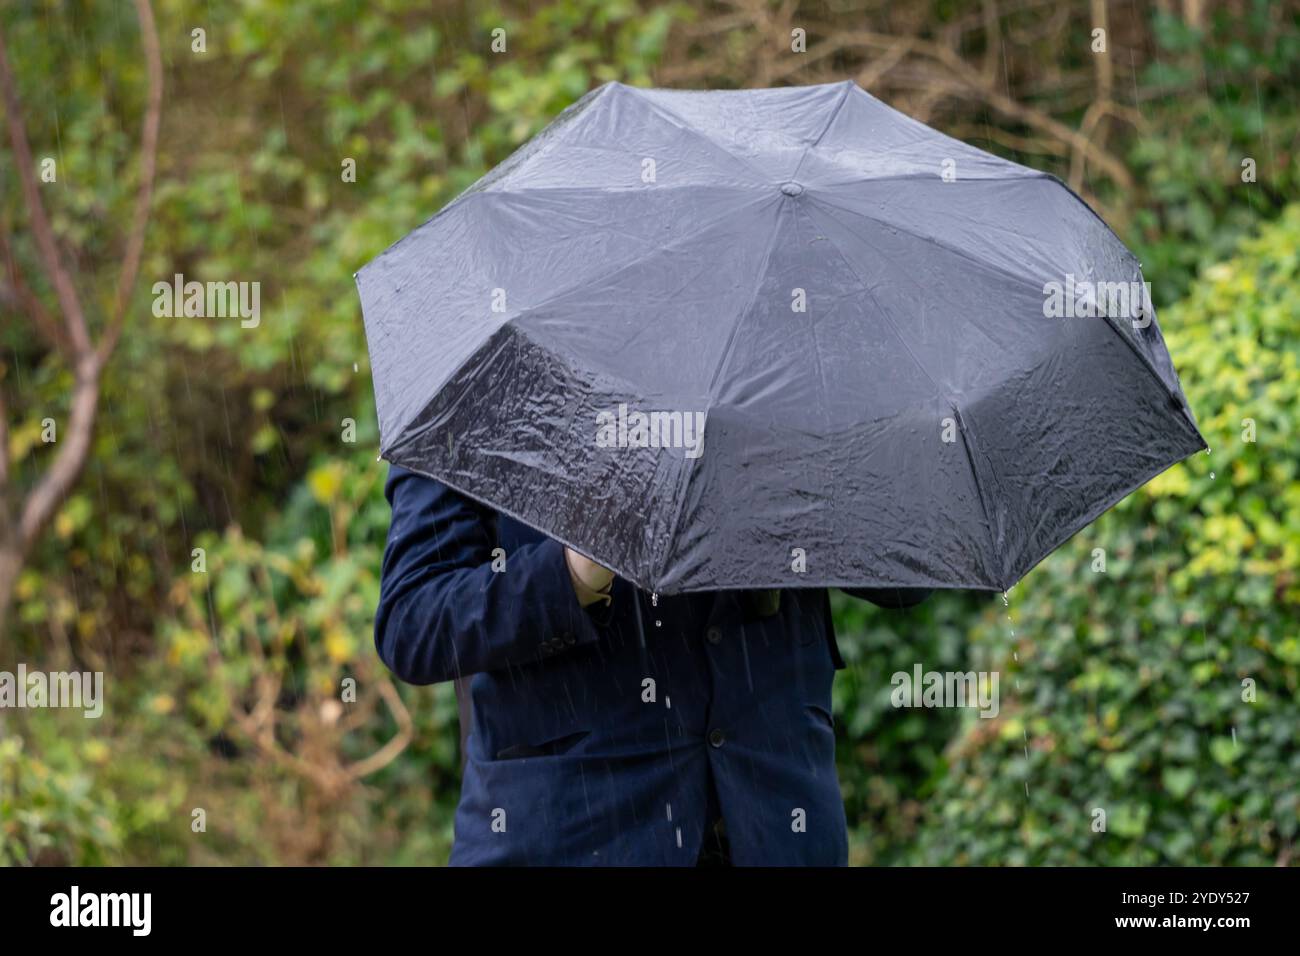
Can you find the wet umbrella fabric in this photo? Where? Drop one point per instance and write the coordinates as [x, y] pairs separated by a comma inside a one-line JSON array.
[[881, 330]]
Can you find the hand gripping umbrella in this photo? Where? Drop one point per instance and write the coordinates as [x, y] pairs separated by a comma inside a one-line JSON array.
[[774, 338]]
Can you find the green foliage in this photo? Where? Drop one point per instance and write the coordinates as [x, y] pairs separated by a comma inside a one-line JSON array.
[[890, 759], [76, 791], [1219, 96], [261, 651]]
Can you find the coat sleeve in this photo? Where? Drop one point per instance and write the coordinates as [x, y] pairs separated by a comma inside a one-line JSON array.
[[895, 599], [444, 612]]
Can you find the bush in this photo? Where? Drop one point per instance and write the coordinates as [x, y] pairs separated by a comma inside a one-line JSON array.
[[1227, 95], [83, 792], [890, 760], [319, 758]]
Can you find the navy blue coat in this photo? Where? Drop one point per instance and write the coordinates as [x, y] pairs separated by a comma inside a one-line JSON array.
[[601, 737]]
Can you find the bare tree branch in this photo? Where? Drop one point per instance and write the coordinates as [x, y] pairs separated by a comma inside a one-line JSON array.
[[948, 75], [51, 261], [47, 326], [391, 750], [6, 516], [148, 169], [45, 498], [72, 338]]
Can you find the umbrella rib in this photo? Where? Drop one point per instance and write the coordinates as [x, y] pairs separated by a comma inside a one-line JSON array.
[[685, 237], [635, 188], [965, 149], [729, 347], [966, 441], [534, 148], [1175, 397], [947, 247], [908, 177], [888, 319], [968, 444], [1142, 358], [685, 126], [723, 360], [1015, 277], [849, 86]]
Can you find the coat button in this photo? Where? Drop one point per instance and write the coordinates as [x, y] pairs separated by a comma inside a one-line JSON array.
[[714, 635], [716, 737]]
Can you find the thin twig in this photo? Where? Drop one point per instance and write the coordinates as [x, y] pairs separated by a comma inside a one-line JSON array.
[[148, 169]]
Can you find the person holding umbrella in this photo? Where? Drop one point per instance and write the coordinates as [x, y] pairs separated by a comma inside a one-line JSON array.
[[737, 347], [711, 742]]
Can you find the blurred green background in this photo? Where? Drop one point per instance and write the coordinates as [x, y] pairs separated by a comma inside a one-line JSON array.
[[1121, 690]]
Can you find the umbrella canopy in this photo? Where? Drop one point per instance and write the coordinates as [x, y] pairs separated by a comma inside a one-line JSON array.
[[774, 338]]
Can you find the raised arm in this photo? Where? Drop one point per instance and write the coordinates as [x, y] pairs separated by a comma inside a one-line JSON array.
[[444, 612]]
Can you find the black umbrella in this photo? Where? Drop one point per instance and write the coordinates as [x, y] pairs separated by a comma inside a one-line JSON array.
[[774, 338]]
